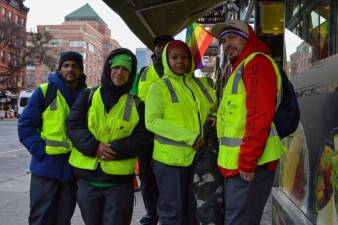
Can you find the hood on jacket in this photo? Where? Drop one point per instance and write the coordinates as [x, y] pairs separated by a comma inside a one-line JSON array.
[[69, 94], [254, 44], [106, 81], [167, 69], [157, 62]]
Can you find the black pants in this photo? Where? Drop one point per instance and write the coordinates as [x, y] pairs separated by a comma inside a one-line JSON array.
[[51, 202], [245, 201], [106, 205], [148, 188], [177, 204]]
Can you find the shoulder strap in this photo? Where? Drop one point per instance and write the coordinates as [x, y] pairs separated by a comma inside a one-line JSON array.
[[143, 72], [137, 100], [90, 96], [50, 96]]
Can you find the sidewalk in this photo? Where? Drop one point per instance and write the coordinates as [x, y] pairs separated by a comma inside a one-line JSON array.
[[14, 204]]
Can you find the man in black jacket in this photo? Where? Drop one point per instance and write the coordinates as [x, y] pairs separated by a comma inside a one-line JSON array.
[[106, 127]]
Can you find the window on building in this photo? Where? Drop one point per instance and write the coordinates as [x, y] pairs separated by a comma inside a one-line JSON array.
[[3, 11], [30, 67], [84, 55], [77, 44], [55, 43], [309, 36], [10, 16], [14, 61], [29, 44], [22, 22], [318, 30], [108, 46], [16, 19], [2, 57], [9, 58], [92, 48]]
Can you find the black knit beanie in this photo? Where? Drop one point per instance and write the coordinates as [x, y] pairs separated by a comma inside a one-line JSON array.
[[73, 56]]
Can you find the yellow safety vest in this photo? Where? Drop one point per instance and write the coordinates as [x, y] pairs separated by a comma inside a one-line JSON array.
[[118, 123], [183, 111], [231, 121], [53, 130], [148, 76]]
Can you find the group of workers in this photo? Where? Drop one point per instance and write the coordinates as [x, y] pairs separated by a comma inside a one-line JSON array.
[[84, 141]]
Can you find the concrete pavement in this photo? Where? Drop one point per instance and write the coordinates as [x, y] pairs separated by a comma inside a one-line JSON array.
[[14, 204]]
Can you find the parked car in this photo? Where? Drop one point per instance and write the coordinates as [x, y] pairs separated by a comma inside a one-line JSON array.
[[23, 100]]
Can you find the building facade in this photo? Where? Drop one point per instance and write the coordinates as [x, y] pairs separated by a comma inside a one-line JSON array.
[[12, 12], [85, 32], [143, 56]]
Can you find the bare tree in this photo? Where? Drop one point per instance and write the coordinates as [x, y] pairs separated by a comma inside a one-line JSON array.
[[24, 48]]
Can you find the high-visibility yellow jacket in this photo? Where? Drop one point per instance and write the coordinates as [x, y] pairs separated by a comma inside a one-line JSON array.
[[118, 123], [176, 109], [231, 121]]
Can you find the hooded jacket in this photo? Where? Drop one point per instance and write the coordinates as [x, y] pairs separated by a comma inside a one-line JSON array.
[[84, 140], [181, 121], [50, 166], [261, 89]]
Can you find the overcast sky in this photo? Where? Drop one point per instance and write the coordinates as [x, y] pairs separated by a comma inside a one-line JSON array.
[[47, 12]]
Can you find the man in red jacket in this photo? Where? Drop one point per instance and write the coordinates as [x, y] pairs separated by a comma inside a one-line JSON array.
[[249, 144]]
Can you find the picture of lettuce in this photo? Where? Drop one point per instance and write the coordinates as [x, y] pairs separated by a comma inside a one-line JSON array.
[[324, 188]]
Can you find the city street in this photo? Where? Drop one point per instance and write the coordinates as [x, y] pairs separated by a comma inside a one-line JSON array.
[[14, 182]]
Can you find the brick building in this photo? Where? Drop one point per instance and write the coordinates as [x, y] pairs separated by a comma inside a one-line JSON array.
[[85, 32], [11, 11]]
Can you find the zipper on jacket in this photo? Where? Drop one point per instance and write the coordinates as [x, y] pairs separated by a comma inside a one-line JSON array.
[[192, 93]]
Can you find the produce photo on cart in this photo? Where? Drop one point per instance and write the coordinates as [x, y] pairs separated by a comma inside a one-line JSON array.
[[295, 169], [325, 202]]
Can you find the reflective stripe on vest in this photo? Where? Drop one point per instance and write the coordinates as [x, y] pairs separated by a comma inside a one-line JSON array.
[[166, 141], [57, 143], [53, 126], [148, 76], [53, 105], [204, 90], [144, 74], [231, 119], [174, 98], [235, 142], [129, 106], [238, 78], [117, 124], [173, 95]]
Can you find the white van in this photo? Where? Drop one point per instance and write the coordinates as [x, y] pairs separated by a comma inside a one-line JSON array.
[[23, 100]]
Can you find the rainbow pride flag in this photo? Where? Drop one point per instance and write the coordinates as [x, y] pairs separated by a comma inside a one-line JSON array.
[[198, 39]]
